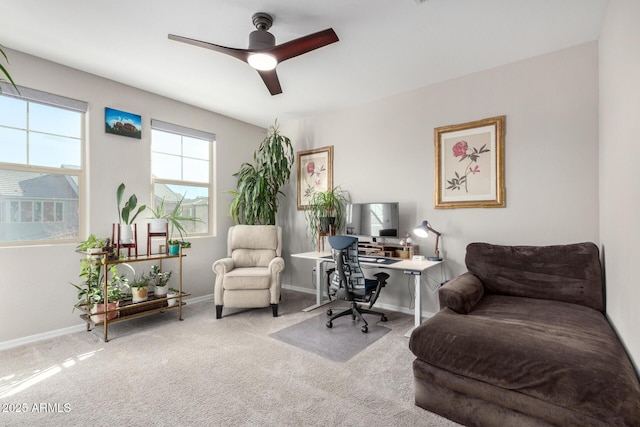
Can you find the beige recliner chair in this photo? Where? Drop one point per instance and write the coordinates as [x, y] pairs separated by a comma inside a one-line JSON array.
[[250, 276]]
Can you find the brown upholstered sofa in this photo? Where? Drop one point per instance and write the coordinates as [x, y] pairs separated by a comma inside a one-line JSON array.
[[521, 340]]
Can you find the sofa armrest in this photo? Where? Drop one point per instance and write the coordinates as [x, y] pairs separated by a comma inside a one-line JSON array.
[[223, 266], [461, 294]]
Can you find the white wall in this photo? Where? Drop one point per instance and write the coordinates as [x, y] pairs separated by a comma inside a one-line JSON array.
[[35, 280], [619, 154], [384, 151]]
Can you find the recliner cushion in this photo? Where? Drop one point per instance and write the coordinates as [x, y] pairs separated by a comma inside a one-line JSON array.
[[248, 278], [252, 257]]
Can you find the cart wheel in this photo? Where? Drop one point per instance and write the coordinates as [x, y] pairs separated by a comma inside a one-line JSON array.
[[365, 329], [383, 318], [329, 324], [329, 312]]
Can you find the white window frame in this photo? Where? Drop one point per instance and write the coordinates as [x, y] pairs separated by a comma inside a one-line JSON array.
[[162, 126], [36, 96]]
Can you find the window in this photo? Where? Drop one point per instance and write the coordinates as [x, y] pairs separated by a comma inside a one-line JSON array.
[[41, 145], [181, 169]]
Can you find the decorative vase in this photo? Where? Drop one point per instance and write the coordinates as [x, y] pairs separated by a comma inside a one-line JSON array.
[[139, 294], [99, 308], [174, 249], [327, 224], [161, 291]]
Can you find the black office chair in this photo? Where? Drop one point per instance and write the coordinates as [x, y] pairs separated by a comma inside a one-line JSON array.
[[348, 282]]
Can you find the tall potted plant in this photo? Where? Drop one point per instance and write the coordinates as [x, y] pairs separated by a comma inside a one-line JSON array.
[[127, 214], [4, 71], [255, 200], [326, 209]]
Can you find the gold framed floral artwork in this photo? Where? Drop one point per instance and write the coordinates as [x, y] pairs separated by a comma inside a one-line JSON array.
[[315, 173], [469, 170]]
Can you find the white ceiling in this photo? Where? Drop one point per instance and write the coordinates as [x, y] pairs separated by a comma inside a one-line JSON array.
[[386, 46]]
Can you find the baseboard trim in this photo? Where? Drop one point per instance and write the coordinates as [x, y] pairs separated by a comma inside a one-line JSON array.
[[5, 345]]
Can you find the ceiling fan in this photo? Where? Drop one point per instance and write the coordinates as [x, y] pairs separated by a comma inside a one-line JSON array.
[[263, 54]]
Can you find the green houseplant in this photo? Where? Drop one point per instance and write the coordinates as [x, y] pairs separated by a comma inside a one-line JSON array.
[[255, 200], [92, 244], [91, 292], [159, 280], [4, 71], [326, 208], [139, 288], [127, 214]]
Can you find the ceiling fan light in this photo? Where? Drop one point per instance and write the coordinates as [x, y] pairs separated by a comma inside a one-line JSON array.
[[262, 61]]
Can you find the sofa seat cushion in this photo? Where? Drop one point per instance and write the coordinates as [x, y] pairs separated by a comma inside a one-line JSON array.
[[248, 278], [561, 353]]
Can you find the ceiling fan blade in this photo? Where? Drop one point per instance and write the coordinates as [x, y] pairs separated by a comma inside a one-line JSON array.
[[241, 54], [304, 44], [270, 78]]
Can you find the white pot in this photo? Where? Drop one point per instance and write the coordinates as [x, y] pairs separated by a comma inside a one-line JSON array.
[[161, 291], [173, 301], [126, 234], [157, 225], [139, 294]]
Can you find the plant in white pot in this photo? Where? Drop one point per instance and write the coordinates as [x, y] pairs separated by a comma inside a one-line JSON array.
[[92, 245], [159, 281], [127, 214], [157, 220], [172, 296], [176, 220]]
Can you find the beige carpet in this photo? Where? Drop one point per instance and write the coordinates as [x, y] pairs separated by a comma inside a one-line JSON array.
[[202, 371]]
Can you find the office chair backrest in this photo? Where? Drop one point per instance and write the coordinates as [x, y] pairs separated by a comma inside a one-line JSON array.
[[344, 250]]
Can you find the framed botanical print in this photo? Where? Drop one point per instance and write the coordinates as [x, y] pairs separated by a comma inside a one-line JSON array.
[[469, 169], [315, 173]]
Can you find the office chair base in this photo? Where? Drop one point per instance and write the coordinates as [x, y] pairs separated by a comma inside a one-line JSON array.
[[355, 312]]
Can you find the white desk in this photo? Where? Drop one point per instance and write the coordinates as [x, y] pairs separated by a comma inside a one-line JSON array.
[[414, 268]]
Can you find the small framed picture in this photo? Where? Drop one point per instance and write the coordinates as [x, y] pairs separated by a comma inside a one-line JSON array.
[[469, 169], [315, 173], [122, 123]]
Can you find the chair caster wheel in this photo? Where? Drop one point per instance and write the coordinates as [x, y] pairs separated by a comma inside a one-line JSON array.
[[365, 329], [383, 318], [329, 325], [329, 312]]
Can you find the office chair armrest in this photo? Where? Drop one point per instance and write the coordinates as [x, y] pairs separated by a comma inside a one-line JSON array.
[[381, 278], [223, 266], [461, 294]]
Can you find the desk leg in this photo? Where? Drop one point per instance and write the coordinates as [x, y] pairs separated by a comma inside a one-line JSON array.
[[319, 287], [417, 304]]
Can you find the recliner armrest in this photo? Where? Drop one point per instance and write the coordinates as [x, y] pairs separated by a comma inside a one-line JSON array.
[[276, 265], [223, 266], [461, 294]]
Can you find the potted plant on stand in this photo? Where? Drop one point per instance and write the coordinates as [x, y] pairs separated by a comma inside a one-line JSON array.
[[326, 211], [92, 245], [91, 293], [159, 280], [139, 288], [176, 220], [127, 214], [172, 297], [255, 200]]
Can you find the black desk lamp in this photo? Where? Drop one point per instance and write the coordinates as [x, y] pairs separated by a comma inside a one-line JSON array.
[[423, 230]]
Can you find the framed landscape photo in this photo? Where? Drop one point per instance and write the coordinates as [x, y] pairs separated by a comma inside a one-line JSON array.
[[122, 123], [469, 169], [315, 173]]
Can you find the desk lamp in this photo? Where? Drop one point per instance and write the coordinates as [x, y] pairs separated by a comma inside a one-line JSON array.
[[423, 230]]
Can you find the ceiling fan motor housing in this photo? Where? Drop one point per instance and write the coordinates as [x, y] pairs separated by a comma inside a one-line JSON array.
[[261, 38]]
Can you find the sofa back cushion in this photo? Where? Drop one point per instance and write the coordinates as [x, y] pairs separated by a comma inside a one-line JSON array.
[[569, 273]]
